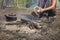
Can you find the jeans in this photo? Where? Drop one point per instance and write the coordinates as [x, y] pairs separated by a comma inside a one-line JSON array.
[[49, 13]]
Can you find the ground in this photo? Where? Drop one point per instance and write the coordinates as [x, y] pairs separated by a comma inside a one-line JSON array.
[[23, 32]]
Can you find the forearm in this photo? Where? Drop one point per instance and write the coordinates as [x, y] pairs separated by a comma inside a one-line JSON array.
[[52, 6], [49, 8]]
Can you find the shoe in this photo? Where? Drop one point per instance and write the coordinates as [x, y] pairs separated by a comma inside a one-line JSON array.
[[52, 19]]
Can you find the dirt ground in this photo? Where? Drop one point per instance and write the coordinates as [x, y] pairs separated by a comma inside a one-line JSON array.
[[23, 32]]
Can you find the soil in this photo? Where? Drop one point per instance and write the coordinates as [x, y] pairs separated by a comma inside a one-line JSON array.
[[23, 32]]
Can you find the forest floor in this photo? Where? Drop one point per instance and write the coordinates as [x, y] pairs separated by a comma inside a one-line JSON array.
[[23, 32]]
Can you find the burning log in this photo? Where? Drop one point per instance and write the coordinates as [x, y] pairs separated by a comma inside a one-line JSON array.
[[31, 24], [11, 23]]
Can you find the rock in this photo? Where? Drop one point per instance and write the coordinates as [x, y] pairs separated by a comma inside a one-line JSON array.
[[11, 27], [26, 29], [38, 25]]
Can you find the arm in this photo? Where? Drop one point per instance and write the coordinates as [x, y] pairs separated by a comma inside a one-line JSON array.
[[52, 6]]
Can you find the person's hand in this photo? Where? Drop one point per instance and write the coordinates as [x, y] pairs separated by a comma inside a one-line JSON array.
[[42, 10], [36, 7], [39, 9]]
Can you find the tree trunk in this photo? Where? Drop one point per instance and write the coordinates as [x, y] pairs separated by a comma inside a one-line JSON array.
[[2, 3]]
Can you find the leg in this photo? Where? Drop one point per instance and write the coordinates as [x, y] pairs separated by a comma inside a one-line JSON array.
[[51, 15], [40, 15], [44, 14]]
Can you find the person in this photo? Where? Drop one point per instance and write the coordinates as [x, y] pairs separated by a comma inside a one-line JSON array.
[[46, 8]]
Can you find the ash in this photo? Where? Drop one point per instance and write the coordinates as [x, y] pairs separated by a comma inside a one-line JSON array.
[[23, 32]]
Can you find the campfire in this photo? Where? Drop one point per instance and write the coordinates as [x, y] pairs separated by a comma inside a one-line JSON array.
[[25, 25]]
